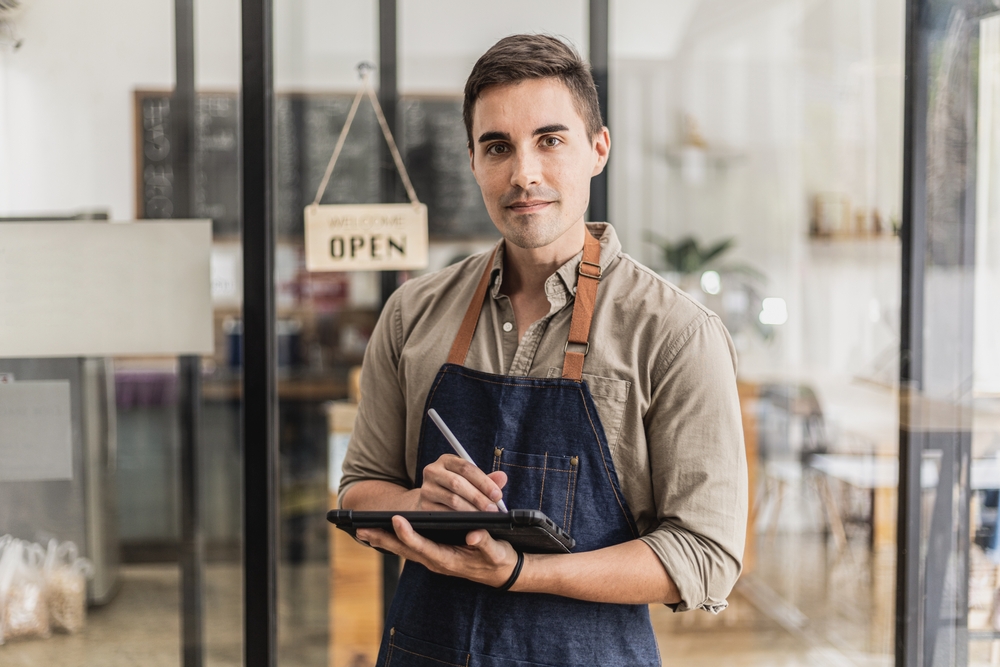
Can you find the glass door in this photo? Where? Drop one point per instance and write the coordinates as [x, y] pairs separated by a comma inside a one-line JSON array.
[[119, 384], [949, 431], [821, 174]]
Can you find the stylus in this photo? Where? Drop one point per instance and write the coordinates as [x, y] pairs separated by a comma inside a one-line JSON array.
[[456, 445]]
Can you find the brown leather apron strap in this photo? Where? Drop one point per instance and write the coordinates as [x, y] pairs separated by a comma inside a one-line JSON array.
[[589, 277], [463, 339]]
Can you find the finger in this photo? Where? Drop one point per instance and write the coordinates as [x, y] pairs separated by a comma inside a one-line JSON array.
[[455, 490], [381, 539], [476, 477], [476, 538], [367, 534], [497, 552], [416, 545], [435, 492], [499, 478], [484, 542]]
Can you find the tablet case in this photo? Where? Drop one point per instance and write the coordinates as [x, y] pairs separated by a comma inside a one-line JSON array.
[[529, 531]]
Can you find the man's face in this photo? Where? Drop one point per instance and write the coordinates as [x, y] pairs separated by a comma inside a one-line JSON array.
[[533, 159]]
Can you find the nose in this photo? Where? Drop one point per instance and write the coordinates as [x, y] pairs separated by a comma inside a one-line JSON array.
[[526, 170]]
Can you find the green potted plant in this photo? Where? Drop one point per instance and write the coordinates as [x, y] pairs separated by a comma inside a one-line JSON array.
[[728, 288]]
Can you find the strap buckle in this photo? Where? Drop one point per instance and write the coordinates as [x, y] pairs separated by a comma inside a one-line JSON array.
[[600, 271], [586, 348]]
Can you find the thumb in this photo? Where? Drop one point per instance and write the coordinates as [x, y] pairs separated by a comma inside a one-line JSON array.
[[477, 538], [499, 477]]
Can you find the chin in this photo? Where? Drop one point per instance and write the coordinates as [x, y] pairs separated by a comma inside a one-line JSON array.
[[530, 238]]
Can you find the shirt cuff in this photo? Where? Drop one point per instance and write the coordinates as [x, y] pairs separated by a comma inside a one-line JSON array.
[[683, 559]]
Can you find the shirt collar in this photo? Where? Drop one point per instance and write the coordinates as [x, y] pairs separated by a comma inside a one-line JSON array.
[[564, 279]]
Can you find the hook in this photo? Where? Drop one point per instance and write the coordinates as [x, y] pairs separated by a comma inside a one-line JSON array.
[[365, 68]]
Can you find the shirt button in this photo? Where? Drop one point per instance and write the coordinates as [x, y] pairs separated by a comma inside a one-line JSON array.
[[507, 326]]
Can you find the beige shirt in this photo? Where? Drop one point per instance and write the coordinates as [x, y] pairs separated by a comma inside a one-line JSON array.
[[662, 371]]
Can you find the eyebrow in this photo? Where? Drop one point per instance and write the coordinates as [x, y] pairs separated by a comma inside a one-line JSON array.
[[549, 129], [503, 136], [493, 136]]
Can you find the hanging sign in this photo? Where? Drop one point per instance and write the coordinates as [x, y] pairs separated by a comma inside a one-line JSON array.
[[366, 237]]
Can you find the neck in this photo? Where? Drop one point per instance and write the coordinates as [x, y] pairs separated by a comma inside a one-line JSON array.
[[527, 269]]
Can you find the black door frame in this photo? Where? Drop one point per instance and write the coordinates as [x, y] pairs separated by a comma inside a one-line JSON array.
[[936, 324], [260, 407]]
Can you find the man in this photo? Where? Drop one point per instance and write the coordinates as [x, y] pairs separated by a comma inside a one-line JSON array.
[[585, 385]]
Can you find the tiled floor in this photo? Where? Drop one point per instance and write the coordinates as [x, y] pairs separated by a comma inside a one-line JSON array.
[[799, 608]]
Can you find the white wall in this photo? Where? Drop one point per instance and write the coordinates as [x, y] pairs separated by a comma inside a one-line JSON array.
[[987, 276], [67, 134], [808, 95]]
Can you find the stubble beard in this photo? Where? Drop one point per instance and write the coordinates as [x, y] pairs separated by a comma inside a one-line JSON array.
[[532, 230]]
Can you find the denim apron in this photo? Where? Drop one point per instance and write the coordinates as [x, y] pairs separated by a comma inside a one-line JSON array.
[[546, 435]]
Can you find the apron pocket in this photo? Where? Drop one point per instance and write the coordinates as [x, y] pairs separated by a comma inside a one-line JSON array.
[[404, 651], [539, 481]]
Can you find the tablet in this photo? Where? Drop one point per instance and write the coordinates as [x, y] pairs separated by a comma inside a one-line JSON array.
[[529, 531]]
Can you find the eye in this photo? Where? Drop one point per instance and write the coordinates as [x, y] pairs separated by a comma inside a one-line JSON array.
[[551, 141], [496, 149]]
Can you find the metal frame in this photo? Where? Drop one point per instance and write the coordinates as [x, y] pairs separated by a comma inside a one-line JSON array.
[[259, 418], [598, 10], [192, 544], [938, 235], [388, 96], [390, 186], [191, 550], [913, 237]]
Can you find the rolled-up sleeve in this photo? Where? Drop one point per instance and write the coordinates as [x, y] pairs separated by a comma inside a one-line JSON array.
[[377, 447], [698, 465]]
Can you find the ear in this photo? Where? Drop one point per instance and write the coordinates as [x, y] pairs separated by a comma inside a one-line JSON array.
[[602, 148], [472, 165]]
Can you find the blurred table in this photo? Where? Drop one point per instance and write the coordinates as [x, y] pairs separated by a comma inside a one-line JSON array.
[[880, 476]]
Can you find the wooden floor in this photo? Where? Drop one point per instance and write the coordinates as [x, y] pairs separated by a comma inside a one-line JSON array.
[[799, 608], [355, 601]]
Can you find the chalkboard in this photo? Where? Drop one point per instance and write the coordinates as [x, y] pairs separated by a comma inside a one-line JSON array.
[[435, 150], [432, 141]]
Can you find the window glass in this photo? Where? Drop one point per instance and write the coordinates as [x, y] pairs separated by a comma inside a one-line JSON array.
[[119, 441]]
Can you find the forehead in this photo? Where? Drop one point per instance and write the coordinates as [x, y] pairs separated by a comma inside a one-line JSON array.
[[525, 106]]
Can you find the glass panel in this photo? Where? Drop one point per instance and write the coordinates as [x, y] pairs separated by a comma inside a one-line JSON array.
[[331, 588], [323, 324], [89, 131], [772, 133], [777, 128], [952, 405]]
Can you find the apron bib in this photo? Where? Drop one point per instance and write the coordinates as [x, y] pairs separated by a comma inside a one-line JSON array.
[[546, 435]]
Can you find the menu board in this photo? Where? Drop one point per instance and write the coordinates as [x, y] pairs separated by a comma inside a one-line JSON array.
[[432, 141]]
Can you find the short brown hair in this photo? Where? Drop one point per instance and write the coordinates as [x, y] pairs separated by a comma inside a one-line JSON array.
[[518, 58]]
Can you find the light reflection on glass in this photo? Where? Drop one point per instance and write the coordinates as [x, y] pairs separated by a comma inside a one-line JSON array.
[[773, 311]]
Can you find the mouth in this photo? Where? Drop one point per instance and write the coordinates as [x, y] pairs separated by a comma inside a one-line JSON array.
[[529, 206]]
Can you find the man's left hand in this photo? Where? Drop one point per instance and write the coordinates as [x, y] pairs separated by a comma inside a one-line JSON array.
[[483, 560]]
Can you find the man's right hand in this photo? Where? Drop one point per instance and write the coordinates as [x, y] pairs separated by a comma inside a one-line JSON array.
[[451, 483]]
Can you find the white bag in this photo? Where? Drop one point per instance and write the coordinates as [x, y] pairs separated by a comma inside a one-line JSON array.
[[66, 577], [23, 608]]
